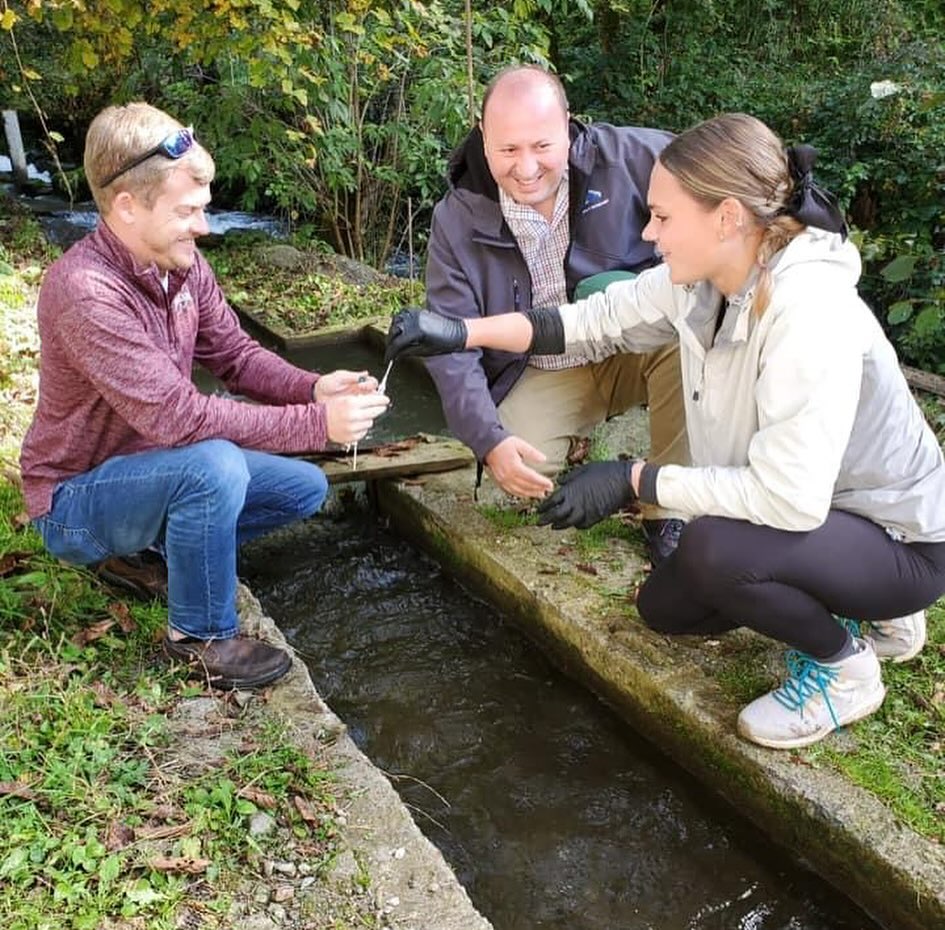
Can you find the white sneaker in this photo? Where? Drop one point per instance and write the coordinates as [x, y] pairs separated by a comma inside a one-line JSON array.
[[815, 699], [897, 640]]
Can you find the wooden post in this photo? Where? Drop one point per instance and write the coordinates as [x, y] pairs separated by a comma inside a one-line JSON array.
[[11, 127]]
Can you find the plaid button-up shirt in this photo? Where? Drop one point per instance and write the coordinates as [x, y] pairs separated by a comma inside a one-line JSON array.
[[543, 246]]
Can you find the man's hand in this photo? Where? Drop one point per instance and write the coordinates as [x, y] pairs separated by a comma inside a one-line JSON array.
[[350, 416], [588, 494], [420, 332], [506, 463], [343, 382]]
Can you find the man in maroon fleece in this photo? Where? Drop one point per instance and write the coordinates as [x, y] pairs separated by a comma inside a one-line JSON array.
[[125, 458]]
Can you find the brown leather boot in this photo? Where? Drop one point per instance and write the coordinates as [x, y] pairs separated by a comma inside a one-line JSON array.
[[240, 663], [144, 574]]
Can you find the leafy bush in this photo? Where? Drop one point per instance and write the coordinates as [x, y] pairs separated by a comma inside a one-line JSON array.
[[862, 82]]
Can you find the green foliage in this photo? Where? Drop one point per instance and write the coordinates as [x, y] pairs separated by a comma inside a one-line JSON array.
[[88, 780], [816, 73], [341, 115], [310, 296]]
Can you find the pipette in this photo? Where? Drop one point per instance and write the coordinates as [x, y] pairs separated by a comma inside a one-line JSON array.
[[383, 384]]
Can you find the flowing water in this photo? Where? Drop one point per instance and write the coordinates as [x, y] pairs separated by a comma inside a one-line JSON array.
[[551, 811]]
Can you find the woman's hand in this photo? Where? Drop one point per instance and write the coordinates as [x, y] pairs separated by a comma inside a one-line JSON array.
[[587, 494], [420, 332]]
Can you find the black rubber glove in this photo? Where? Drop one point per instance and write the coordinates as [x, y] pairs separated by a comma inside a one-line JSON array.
[[586, 495], [419, 332]]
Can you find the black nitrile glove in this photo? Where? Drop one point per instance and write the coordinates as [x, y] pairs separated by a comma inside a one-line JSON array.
[[587, 494], [419, 332]]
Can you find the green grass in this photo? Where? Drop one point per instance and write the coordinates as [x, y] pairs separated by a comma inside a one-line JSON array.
[[508, 519], [740, 669], [87, 766], [598, 539], [899, 752]]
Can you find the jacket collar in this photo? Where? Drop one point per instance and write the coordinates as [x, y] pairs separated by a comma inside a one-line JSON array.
[[148, 277], [468, 171]]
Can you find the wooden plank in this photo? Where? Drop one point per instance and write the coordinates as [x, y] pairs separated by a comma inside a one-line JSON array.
[[416, 455]]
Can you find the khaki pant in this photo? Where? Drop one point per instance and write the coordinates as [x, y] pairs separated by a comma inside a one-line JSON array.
[[550, 409]]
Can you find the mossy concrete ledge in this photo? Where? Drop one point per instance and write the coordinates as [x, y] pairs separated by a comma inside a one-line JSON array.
[[575, 604]]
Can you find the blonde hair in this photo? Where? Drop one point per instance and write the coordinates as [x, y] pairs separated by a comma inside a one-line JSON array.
[[736, 155], [118, 135]]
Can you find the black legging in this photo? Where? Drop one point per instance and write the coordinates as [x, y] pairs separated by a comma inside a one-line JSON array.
[[786, 585]]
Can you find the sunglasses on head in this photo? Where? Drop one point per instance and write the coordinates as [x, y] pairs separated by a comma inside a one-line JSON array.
[[174, 146]]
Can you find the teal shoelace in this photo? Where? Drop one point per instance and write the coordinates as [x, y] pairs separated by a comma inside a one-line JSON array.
[[806, 678]]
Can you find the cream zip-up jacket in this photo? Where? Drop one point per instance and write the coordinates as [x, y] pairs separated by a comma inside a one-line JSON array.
[[791, 414]]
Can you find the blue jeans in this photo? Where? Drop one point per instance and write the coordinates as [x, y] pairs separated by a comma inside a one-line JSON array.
[[198, 504]]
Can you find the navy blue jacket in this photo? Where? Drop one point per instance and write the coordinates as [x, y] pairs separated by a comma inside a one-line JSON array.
[[475, 268]]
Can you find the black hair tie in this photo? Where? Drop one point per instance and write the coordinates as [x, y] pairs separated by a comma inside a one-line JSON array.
[[809, 203]]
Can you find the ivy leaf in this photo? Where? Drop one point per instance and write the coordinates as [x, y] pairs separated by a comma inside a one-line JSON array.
[[899, 312], [899, 269]]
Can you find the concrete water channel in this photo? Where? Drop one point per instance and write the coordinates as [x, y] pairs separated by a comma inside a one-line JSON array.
[[551, 811], [556, 809]]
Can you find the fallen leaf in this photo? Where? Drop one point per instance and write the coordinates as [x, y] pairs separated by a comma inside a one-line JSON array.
[[306, 811], [586, 567], [121, 614], [91, 633], [17, 789], [259, 797], [186, 864], [118, 836]]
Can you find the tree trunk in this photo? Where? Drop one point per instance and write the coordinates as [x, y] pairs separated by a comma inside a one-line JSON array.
[[11, 127]]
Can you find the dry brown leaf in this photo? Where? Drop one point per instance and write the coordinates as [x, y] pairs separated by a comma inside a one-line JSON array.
[[91, 633], [586, 567], [17, 789], [259, 797], [121, 614], [187, 864], [306, 811]]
